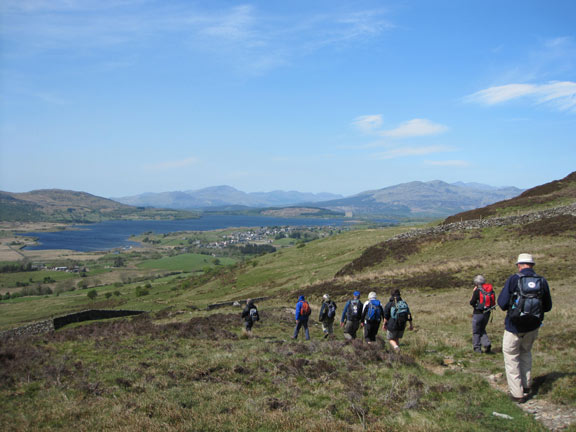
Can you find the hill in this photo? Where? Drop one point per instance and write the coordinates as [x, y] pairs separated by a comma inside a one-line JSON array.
[[432, 199], [188, 366], [552, 194], [56, 205], [222, 197]]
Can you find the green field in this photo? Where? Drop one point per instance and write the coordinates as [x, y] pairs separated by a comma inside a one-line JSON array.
[[186, 262], [183, 367]]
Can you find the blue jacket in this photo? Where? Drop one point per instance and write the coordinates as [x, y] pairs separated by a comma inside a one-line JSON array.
[[506, 295], [299, 308]]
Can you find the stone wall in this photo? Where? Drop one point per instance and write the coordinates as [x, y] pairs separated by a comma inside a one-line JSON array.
[[490, 222], [50, 325], [233, 303]]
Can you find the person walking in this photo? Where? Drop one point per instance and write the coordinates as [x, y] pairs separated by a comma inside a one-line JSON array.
[[302, 314], [372, 314], [396, 315], [483, 301], [525, 298], [327, 315], [351, 316], [250, 315]]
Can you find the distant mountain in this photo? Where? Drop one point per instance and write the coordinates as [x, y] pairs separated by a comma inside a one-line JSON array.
[[223, 197], [57, 205], [421, 199], [553, 194]]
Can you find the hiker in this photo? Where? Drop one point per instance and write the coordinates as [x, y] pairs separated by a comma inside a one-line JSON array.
[[396, 315], [250, 315], [372, 314], [302, 314], [351, 316], [327, 315], [483, 301], [525, 297]]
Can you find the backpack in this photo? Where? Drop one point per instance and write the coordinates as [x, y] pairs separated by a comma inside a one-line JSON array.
[[331, 310], [354, 311], [374, 312], [254, 316], [526, 310], [487, 298], [305, 308], [399, 313]]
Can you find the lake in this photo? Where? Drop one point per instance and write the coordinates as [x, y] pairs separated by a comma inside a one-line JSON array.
[[114, 234]]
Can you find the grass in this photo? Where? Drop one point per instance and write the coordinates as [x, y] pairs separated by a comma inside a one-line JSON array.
[[180, 368], [189, 262]]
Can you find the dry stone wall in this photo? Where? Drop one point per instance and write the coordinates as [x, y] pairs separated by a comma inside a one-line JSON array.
[[490, 222], [50, 325]]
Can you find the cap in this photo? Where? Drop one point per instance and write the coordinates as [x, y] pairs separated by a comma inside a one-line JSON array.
[[525, 258], [356, 293]]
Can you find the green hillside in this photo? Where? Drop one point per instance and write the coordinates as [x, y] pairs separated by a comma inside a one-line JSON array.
[[55, 205], [185, 367]]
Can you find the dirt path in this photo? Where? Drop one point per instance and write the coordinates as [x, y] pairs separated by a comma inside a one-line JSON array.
[[553, 417]]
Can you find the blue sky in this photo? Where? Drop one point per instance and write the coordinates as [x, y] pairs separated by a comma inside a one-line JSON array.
[[121, 97]]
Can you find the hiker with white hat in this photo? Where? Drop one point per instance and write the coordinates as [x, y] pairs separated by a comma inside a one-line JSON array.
[[525, 297]]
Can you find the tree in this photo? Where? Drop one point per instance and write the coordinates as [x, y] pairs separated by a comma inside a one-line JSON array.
[[92, 294]]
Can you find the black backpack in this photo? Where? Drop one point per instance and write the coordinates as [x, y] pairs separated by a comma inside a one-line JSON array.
[[331, 310], [354, 312], [254, 316], [526, 311]]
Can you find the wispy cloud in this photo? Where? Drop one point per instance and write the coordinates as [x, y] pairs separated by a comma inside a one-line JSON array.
[[410, 151], [368, 123], [448, 163], [250, 38], [560, 94], [372, 124], [415, 128], [174, 164]]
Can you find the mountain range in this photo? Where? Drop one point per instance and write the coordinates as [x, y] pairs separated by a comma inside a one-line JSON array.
[[413, 199]]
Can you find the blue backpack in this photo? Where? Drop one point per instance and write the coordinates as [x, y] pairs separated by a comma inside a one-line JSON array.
[[374, 312]]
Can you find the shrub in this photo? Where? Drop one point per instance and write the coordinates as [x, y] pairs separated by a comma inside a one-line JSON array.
[[92, 294]]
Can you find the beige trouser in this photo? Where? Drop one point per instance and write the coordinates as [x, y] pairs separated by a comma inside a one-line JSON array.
[[517, 349]]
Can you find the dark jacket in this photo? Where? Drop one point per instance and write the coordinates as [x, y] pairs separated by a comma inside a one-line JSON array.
[[323, 316], [507, 294], [347, 307], [246, 311], [391, 322], [474, 302]]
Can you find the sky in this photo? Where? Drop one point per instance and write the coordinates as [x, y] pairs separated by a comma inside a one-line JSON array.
[[122, 97]]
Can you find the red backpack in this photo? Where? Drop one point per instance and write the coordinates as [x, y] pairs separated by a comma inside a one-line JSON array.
[[305, 308], [487, 298]]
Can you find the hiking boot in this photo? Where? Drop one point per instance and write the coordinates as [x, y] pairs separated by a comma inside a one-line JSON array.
[[478, 350], [488, 349], [326, 335], [518, 400]]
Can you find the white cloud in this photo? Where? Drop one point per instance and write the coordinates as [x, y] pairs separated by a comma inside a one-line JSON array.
[[415, 128], [368, 123], [449, 163], [561, 94], [175, 164], [371, 124], [410, 151]]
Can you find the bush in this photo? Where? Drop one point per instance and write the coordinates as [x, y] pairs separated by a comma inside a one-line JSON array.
[[92, 294], [140, 291]]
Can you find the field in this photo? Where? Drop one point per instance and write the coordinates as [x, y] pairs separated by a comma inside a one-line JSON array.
[[183, 367]]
